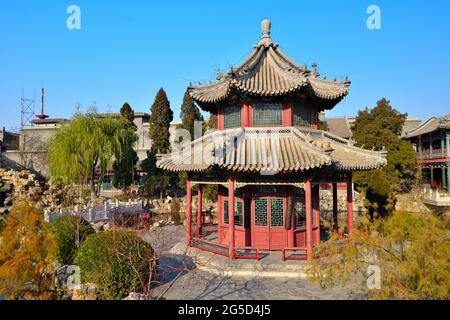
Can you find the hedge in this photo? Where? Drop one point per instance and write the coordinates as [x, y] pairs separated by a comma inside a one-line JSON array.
[[118, 262]]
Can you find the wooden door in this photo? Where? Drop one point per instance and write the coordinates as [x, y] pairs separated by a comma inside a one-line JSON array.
[[277, 231], [268, 223]]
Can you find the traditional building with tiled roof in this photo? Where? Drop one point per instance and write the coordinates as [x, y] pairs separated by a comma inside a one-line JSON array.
[[268, 157], [432, 141]]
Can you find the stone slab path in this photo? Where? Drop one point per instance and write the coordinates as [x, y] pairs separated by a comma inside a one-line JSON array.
[[201, 285]]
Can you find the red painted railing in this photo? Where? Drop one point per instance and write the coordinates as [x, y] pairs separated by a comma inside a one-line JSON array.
[[287, 257], [255, 256], [210, 243]]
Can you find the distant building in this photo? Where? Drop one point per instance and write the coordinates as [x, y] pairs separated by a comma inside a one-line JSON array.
[[342, 126], [432, 142], [8, 140], [29, 147]]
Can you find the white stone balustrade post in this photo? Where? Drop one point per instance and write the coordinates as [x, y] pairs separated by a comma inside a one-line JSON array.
[[106, 211]]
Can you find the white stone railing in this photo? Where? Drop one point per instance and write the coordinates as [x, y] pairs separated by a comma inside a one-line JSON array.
[[438, 197], [97, 214]]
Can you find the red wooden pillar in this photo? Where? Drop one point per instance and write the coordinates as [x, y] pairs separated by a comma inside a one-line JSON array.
[[314, 118], [316, 211], [350, 205], [287, 115], [220, 215], [188, 211], [231, 183], [245, 116], [335, 208], [198, 231], [220, 120], [308, 220]]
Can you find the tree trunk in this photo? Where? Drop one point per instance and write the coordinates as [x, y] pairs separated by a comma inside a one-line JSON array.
[[93, 191], [92, 185]]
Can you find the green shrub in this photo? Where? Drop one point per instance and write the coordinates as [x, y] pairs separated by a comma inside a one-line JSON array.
[[70, 232], [118, 262]]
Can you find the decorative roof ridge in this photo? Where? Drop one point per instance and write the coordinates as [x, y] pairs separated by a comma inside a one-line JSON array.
[[410, 133], [266, 39], [268, 71], [345, 82], [347, 143]]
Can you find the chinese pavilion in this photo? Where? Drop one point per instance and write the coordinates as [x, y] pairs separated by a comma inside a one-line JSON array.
[[432, 141], [267, 155]]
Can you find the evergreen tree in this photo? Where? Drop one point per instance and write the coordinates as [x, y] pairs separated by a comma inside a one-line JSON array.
[[190, 113], [160, 119], [125, 166], [211, 123], [128, 113], [374, 129]]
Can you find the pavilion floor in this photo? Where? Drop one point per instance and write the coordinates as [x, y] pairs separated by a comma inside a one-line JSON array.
[[270, 264]]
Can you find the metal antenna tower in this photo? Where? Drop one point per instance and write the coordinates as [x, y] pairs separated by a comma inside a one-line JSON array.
[[26, 110]]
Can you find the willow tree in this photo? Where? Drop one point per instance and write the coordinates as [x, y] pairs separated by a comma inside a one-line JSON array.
[[86, 148]]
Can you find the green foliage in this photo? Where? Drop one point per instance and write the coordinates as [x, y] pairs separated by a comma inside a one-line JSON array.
[[124, 167], [127, 113], [412, 251], [70, 232], [119, 262], [88, 144], [379, 199], [210, 192], [190, 113], [160, 119], [374, 129], [156, 179], [211, 123], [27, 253]]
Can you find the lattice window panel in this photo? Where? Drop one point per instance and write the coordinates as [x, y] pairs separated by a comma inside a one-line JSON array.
[[267, 114], [239, 217], [232, 117], [239, 214], [302, 115], [277, 212], [225, 212], [261, 210]]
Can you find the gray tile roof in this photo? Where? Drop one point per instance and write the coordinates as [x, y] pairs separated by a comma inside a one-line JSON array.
[[269, 150], [340, 127], [267, 71], [429, 126]]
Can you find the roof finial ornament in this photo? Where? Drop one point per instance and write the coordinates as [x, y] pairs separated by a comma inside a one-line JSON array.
[[266, 40]]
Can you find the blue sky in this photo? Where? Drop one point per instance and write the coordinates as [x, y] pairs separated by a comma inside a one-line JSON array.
[[127, 50]]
